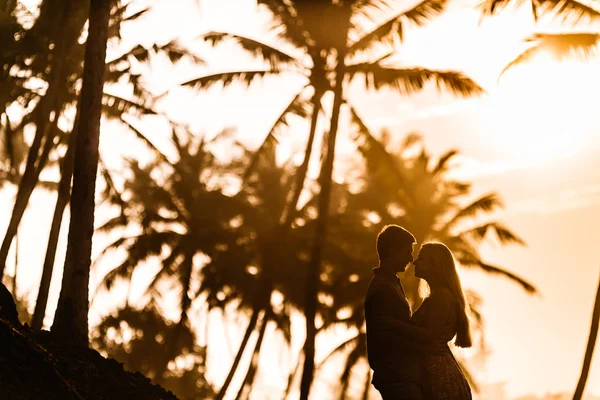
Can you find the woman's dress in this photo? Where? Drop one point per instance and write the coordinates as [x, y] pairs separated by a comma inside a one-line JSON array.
[[444, 377]]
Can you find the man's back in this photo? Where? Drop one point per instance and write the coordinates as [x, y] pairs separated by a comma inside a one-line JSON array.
[[391, 357]]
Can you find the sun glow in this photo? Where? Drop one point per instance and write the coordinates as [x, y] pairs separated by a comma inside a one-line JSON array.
[[541, 109]]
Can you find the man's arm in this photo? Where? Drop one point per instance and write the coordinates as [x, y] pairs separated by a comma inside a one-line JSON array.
[[382, 318], [410, 331]]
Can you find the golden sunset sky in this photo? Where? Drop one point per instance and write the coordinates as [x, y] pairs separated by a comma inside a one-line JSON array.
[[534, 138]]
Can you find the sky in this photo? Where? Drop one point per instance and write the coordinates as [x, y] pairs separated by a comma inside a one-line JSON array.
[[533, 138]]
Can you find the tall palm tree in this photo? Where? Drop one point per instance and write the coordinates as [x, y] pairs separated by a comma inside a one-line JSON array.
[[267, 268], [71, 319], [73, 16], [183, 212], [31, 55], [114, 107], [333, 43]]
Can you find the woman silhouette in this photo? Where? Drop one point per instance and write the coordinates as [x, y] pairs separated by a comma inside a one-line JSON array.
[[443, 315]]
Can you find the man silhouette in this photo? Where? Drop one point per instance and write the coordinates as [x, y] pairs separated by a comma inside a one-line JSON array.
[[395, 359]]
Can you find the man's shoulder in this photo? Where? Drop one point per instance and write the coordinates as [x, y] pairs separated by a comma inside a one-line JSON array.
[[378, 282]]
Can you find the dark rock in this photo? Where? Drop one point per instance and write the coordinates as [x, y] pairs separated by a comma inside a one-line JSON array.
[[8, 308], [33, 365]]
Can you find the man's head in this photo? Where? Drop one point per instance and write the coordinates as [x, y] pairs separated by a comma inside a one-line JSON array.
[[395, 247]]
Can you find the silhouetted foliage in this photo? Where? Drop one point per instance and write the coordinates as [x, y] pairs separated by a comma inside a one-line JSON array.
[[137, 339]]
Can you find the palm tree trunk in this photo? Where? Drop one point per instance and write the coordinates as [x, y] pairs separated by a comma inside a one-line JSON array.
[[246, 387], [28, 180], [240, 353], [292, 375], [71, 320], [64, 192], [365, 395], [292, 206], [14, 280], [589, 352], [71, 22], [312, 280]]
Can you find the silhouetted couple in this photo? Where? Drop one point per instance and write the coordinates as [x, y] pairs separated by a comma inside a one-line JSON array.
[[409, 354]]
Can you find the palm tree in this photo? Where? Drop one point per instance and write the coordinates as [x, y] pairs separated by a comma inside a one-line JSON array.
[[71, 319], [114, 107], [562, 44], [415, 192], [73, 17], [271, 262], [43, 44], [589, 352], [333, 51], [181, 212]]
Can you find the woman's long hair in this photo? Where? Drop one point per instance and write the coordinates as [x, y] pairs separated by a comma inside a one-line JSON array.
[[445, 267]]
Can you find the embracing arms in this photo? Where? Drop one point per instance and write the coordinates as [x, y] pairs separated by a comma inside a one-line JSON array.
[[440, 306]]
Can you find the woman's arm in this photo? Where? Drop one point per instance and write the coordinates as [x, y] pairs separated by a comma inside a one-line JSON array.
[[440, 307], [420, 338]]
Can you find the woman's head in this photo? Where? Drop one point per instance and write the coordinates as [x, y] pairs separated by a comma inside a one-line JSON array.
[[435, 264]]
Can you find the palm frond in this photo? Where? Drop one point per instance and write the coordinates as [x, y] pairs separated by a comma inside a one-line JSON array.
[[371, 148], [380, 5], [275, 57], [227, 78], [412, 80], [485, 204], [352, 342], [500, 271], [286, 22], [115, 106], [168, 267], [141, 248], [392, 30], [298, 106], [442, 164], [351, 360], [140, 135], [363, 138], [410, 140], [504, 235], [117, 222], [492, 7], [560, 45], [135, 15], [175, 51], [568, 10], [113, 246]]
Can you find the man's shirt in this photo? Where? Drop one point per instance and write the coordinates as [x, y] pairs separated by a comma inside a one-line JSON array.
[[391, 356]]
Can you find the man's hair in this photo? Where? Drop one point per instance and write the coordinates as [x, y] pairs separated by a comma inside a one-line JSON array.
[[392, 235]]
